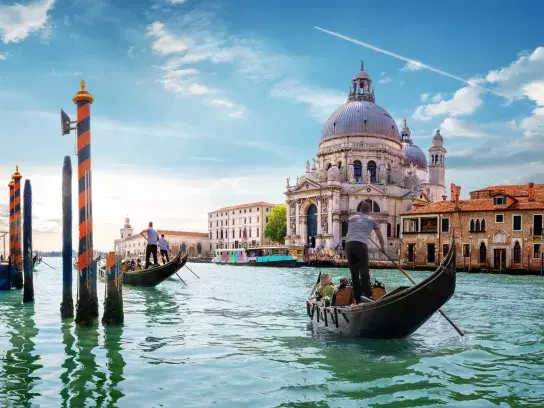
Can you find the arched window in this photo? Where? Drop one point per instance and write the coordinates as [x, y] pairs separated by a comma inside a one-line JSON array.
[[471, 225], [388, 230], [358, 171], [482, 254], [371, 168], [517, 252], [482, 225], [328, 166], [398, 230], [374, 207], [477, 225]]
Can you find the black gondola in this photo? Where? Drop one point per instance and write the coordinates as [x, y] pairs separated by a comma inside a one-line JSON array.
[[154, 275], [397, 314]]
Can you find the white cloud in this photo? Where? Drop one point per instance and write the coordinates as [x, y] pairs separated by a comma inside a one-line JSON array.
[[3, 57], [384, 78], [437, 98], [535, 91], [424, 97], [222, 103], [458, 128], [239, 114], [322, 102], [511, 81], [465, 101], [533, 125], [412, 66], [165, 42], [17, 21], [175, 2]]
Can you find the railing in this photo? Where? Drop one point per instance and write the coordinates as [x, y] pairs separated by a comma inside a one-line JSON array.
[[475, 230]]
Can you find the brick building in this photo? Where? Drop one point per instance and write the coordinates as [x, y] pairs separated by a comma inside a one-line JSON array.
[[498, 228]]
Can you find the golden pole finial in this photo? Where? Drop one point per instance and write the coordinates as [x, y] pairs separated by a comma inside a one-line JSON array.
[[82, 84], [17, 169]]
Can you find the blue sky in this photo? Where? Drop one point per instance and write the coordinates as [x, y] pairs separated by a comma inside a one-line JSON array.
[[201, 104]]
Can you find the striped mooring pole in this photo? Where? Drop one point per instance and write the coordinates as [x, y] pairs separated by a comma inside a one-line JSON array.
[[17, 247], [11, 256], [113, 304], [87, 305], [28, 293], [67, 305]]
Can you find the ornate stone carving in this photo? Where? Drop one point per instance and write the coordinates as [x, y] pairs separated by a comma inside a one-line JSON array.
[[351, 174], [293, 226], [293, 209], [333, 174], [325, 204], [324, 225]]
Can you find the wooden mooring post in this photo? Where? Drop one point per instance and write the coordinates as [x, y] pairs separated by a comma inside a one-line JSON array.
[[28, 292], [113, 304], [67, 305]]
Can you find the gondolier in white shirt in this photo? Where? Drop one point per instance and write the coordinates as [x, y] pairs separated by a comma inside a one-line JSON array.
[[359, 229], [151, 248], [163, 247]]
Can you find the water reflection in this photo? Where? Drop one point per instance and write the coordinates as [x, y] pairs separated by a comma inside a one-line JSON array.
[[19, 362], [115, 363]]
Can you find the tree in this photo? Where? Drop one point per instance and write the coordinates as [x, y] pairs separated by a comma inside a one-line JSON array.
[[276, 229]]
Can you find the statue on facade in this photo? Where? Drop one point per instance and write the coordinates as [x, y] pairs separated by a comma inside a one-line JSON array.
[[307, 166], [333, 174], [325, 225], [368, 177], [293, 209], [325, 205], [351, 174], [297, 180], [314, 165], [288, 179], [293, 226]]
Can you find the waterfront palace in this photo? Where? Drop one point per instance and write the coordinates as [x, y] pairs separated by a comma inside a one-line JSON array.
[[499, 227], [239, 226], [132, 246], [362, 156]]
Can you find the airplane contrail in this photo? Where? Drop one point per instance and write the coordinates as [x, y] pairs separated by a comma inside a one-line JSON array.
[[400, 57]]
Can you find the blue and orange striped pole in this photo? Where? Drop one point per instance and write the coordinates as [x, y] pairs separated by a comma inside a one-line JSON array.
[[17, 242], [87, 306], [11, 186], [67, 305], [113, 304], [28, 294]]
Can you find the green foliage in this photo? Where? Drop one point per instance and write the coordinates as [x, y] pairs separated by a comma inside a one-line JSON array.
[[276, 229]]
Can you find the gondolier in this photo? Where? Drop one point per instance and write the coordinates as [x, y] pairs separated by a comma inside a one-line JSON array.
[[359, 229], [151, 248], [163, 247]]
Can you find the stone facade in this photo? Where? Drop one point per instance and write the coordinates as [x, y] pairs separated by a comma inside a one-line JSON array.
[[132, 246], [239, 226], [362, 156], [499, 228]]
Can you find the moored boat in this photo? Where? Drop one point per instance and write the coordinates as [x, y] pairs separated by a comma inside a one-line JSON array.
[[261, 256], [396, 314], [154, 274]]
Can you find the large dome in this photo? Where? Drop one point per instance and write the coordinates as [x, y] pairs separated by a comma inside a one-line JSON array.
[[361, 118], [413, 154]]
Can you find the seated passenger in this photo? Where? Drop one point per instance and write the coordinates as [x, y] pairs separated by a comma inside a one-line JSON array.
[[325, 289], [343, 295], [139, 265], [124, 267]]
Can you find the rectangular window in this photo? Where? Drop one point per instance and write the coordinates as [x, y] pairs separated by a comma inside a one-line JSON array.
[[431, 251], [466, 250], [210, 247], [499, 218], [232, 233], [266, 220], [232, 222], [210, 235], [536, 251], [445, 225], [216, 234], [429, 224], [499, 200], [221, 223], [445, 249], [249, 220], [537, 224], [257, 219], [257, 232], [410, 225], [516, 222], [210, 224], [217, 223], [250, 233], [411, 252], [240, 233]]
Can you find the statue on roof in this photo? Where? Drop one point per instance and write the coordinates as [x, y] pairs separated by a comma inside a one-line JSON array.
[[307, 165]]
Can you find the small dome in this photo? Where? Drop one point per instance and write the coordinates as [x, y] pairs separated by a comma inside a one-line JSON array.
[[438, 136], [361, 118], [413, 154]]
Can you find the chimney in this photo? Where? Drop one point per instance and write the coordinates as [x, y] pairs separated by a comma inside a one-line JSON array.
[[452, 192], [531, 191], [457, 194], [444, 197]]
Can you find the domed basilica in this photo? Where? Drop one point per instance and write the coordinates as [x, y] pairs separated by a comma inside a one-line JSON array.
[[362, 157]]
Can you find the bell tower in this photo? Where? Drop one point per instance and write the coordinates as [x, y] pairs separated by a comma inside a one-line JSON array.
[[127, 230], [437, 160]]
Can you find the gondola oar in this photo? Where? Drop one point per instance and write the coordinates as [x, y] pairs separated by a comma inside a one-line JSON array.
[[458, 329], [318, 278], [48, 265], [192, 271]]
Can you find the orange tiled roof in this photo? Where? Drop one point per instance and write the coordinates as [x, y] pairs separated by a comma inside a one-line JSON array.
[[514, 190], [478, 204], [239, 206]]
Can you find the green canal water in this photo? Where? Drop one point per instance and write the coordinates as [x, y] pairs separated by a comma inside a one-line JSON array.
[[240, 337]]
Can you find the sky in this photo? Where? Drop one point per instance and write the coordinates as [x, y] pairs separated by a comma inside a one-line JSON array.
[[203, 104]]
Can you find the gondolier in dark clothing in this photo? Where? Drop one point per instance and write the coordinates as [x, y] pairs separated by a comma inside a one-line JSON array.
[[151, 248], [163, 247], [359, 229]]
